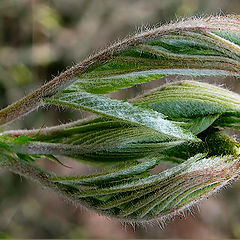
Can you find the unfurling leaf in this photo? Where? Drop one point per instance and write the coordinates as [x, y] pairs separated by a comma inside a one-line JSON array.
[[122, 110], [159, 195], [181, 123], [107, 142], [190, 99]]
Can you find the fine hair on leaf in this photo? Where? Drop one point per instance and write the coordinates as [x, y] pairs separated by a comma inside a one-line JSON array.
[[184, 123]]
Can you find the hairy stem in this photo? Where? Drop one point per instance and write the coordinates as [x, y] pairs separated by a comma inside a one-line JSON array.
[[45, 131]]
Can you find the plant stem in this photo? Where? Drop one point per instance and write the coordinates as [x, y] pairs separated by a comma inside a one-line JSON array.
[[47, 130]]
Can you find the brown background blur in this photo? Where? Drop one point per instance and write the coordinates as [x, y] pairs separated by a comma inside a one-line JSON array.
[[39, 39]]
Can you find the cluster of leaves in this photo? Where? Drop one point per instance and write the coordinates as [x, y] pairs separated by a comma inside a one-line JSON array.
[[181, 123]]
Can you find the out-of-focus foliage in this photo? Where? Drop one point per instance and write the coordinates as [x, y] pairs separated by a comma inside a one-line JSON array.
[[40, 38]]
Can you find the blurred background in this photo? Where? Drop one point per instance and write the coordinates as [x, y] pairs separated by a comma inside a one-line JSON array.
[[38, 40]]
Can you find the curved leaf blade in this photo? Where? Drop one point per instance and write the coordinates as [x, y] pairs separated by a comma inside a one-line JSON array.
[[165, 194], [189, 99], [121, 110]]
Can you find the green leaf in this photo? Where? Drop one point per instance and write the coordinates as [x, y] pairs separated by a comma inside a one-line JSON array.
[[233, 37], [185, 53], [199, 124], [121, 110], [104, 178], [25, 157], [190, 99], [188, 53], [159, 195], [229, 120], [4, 145], [22, 139], [133, 137], [99, 142], [110, 84], [107, 142]]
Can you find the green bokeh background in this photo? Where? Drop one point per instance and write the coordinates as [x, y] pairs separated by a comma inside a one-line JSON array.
[[38, 40]]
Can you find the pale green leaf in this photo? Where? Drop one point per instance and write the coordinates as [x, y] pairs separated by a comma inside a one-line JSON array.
[[121, 110], [111, 84], [104, 178], [163, 194], [190, 99]]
